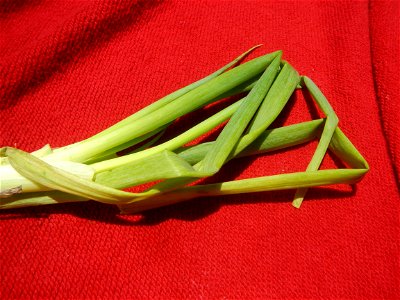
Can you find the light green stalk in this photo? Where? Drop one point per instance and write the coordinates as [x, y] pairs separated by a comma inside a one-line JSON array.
[[340, 145], [148, 110], [137, 172], [112, 153], [233, 131], [123, 134], [329, 128], [260, 184], [160, 103], [180, 140], [269, 140], [275, 101], [280, 90], [188, 102]]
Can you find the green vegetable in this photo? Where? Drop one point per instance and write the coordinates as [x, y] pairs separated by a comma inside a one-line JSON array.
[[329, 129], [93, 170]]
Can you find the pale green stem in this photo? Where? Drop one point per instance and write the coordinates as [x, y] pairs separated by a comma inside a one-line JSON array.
[[340, 146], [163, 101], [329, 129], [260, 184], [124, 177], [281, 90], [269, 140], [233, 130], [111, 153], [192, 100], [272, 106], [172, 144], [173, 96]]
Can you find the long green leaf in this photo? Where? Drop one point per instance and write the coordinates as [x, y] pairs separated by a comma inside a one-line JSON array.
[[172, 144], [340, 145], [281, 90], [190, 101], [260, 184], [269, 140], [329, 129], [162, 102], [232, 132], [171, 97], [275, 101]]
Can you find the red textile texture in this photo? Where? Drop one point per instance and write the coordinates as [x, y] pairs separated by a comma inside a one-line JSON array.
[[71, 68], [385, 41]]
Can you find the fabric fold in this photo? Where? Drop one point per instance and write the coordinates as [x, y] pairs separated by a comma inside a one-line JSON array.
[[92, 25], [384, 33]]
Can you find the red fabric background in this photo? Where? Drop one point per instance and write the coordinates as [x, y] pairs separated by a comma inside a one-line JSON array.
[[71, 68]]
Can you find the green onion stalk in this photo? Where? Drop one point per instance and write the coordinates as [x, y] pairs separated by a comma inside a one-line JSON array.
[[94, 169]]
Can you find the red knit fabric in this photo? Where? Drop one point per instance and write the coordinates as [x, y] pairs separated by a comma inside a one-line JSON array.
[[71, 68], [385, 63]]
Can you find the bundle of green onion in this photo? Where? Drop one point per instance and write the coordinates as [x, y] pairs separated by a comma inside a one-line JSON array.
[[92, 170]]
